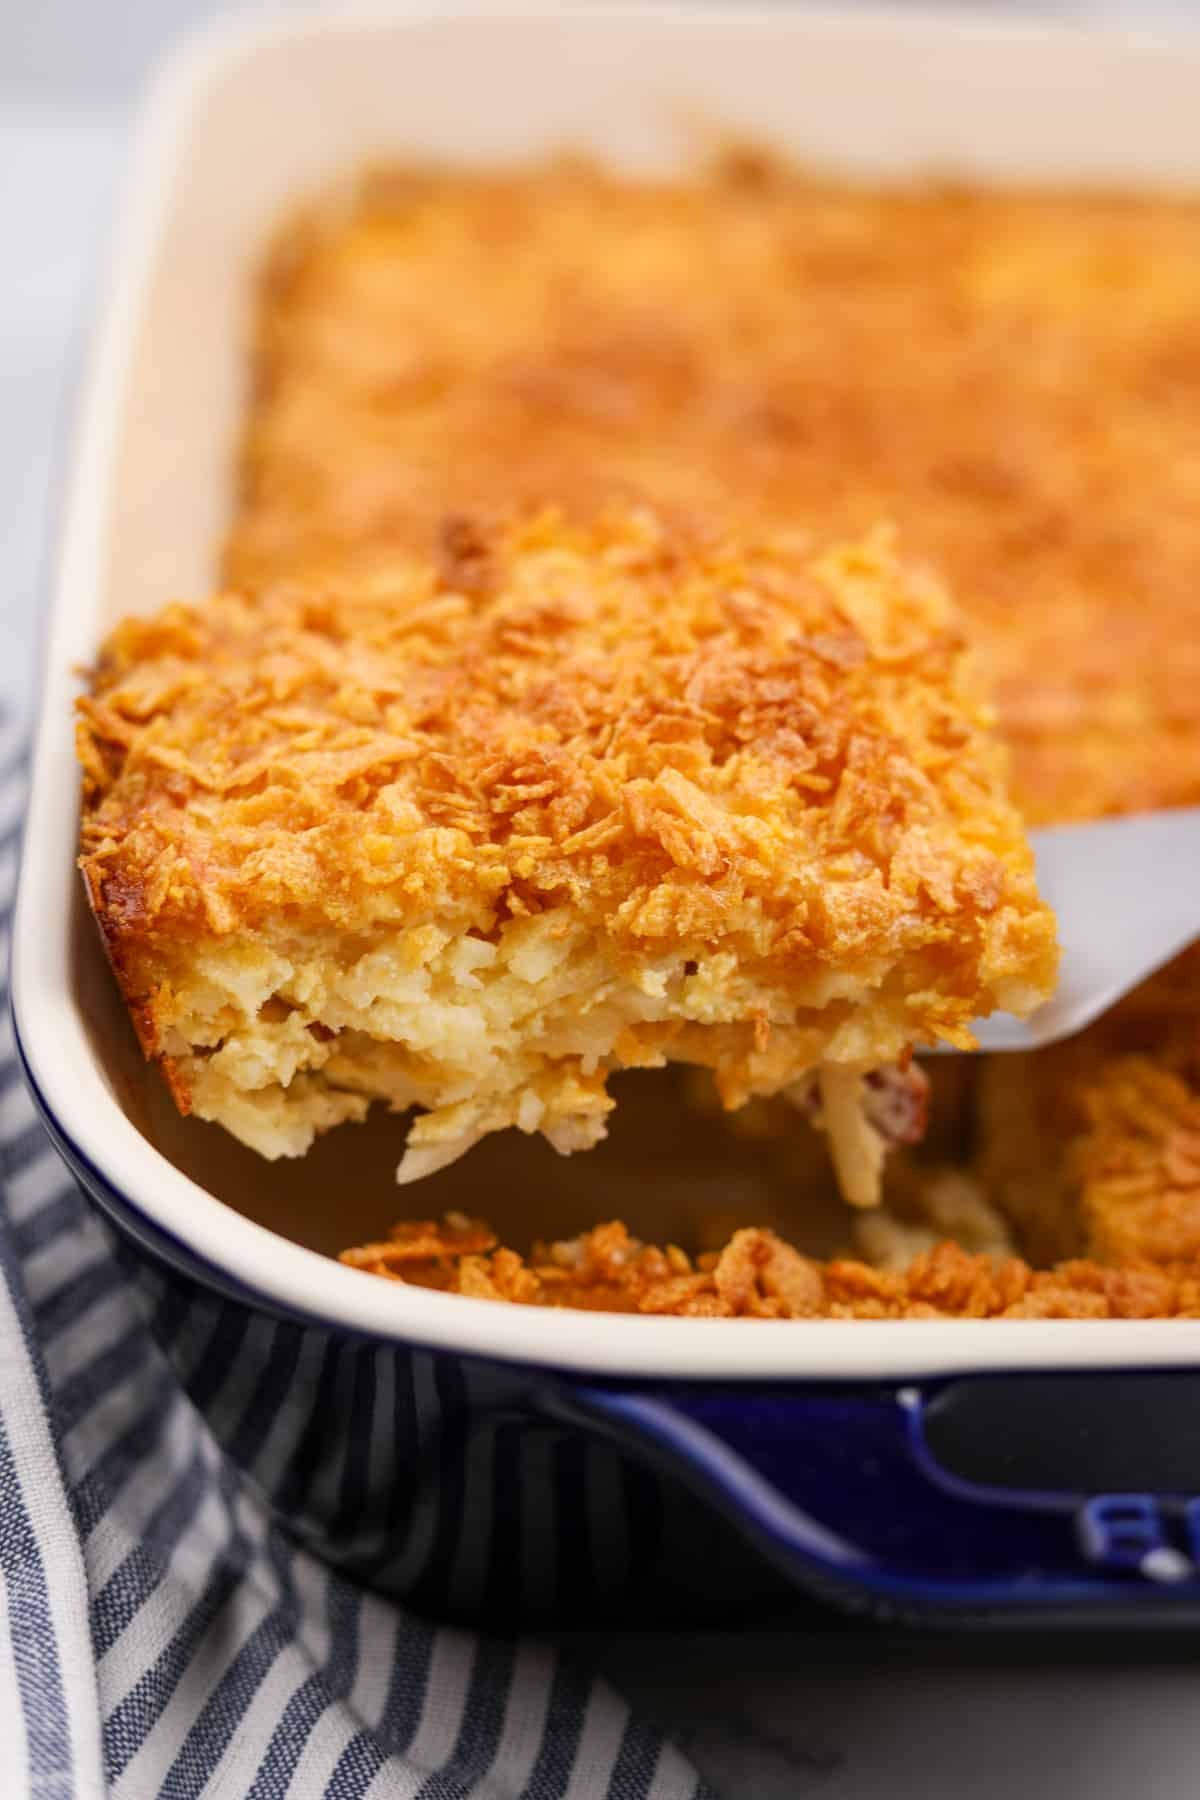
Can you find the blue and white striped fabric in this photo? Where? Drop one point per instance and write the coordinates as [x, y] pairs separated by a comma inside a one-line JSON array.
[[159, 1636]]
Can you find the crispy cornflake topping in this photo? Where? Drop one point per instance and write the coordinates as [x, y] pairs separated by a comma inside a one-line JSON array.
[[1093, 1145], [769, 749], [1011, 375], [758, 1276]]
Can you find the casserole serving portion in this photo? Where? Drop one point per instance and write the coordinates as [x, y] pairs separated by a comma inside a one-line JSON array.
[[570, 799]]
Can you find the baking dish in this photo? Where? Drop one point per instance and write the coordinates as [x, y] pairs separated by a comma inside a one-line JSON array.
[[973, 1467]]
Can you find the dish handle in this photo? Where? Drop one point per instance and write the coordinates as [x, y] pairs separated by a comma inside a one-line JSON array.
[[978, 1497]]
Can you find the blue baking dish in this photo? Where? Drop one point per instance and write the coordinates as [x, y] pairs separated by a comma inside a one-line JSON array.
[[518, 1494], [511, 1463]]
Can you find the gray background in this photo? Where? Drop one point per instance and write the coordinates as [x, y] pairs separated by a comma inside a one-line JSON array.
[[837, 1713]]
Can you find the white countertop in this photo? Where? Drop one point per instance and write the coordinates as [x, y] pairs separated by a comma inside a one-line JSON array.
[[854, 1714], [844, 1713]]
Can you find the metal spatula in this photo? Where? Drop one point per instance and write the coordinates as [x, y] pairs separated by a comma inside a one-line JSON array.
[[1127, 895]]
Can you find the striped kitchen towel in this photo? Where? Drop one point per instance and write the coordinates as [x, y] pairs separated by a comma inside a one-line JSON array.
[[159, 1635]]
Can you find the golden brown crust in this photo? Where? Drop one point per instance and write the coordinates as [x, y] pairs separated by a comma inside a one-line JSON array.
[[1093, 1146], [751, 747], [758, 1276], [1011, 376]]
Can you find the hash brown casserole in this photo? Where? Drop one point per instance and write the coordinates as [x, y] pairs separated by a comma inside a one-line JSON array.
[[1012, 376], [475, 834]]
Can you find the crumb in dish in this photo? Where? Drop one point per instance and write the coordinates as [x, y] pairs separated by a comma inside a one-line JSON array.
[[626, 795], [759, 1276]]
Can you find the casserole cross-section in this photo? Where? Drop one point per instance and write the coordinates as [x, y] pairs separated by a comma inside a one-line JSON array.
[[478, 831]]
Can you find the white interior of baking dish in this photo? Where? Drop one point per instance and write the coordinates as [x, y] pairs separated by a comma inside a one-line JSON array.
[[246, 122]]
